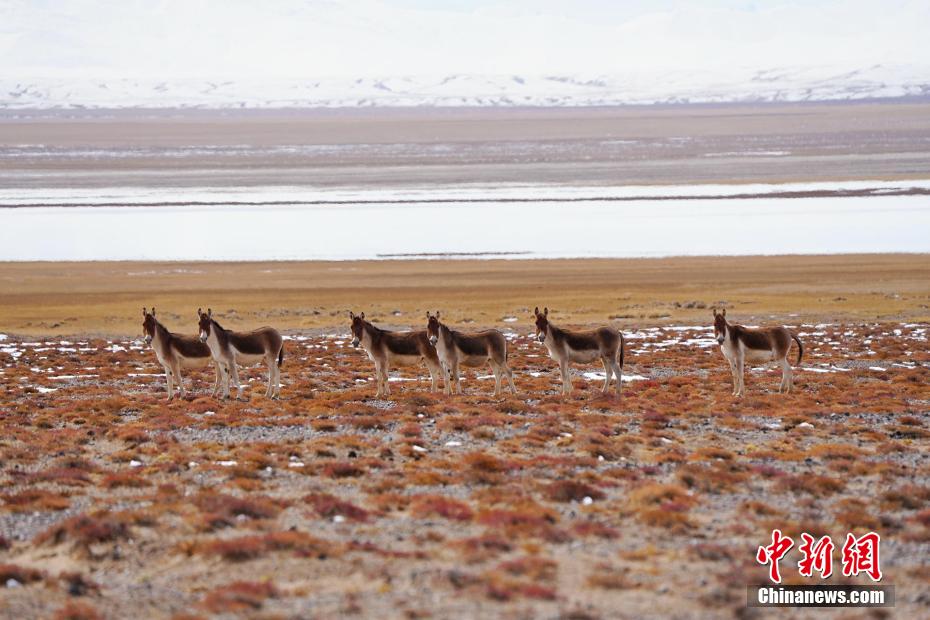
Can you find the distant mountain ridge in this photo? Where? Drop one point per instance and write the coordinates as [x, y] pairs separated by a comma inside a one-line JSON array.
[[780, 84]]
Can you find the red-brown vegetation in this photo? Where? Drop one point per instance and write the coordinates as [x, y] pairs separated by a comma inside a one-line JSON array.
[[239, 597], [329, 506], [85, 530], [341, 492], [242, 548], [571, 491], [439, 506]]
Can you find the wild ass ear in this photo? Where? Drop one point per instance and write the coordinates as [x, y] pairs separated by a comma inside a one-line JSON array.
[[714, 311], [536, 311], [199, 311], [723, 312], [144, 313], [362, 316], [153, 310], [437, 314], [210, 312], [351, 315], [546, 311]]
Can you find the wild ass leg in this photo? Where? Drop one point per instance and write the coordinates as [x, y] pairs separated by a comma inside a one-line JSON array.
[[446, 378], [386, 390], [274, 377], [608, 371], [276, 393], [740, 373], [217, 384], [617, 375], [455, 377], [169, 380], [434, 372], [227, 378], [733, 377], [496, 369], [176, 371], [566, 377], [269, 390], [233, 368], [509, 372], [785, 386], [378, 379]]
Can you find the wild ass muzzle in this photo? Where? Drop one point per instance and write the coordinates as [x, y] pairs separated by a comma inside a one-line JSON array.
[[457, 349], [230, 349], [582, 347], [387, 349], [744, 344], [175, 352]]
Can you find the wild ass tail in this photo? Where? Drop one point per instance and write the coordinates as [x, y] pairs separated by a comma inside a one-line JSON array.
[[800, 349], [620, 352], [280, 355]]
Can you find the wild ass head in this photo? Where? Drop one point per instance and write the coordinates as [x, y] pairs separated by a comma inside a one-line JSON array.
[[358, 327], [542, 323], [148, 324], [432, 327], [720, 325], [205, 324]]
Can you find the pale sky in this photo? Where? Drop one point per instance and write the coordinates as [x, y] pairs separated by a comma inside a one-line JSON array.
[[236, 39]]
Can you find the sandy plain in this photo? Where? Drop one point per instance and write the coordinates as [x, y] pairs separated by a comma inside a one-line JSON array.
[[651, 145]]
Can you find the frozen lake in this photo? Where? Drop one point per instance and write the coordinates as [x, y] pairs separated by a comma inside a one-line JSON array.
[[559, 227]]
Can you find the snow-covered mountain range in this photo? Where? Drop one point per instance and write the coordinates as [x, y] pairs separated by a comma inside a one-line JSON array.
[[785, 84]]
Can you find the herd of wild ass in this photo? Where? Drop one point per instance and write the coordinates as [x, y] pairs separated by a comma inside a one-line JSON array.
[[443, 350]]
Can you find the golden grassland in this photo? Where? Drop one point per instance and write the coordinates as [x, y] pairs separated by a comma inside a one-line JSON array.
[[331, 503], [106, 298]]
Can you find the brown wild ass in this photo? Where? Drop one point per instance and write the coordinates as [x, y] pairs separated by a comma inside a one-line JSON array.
[[743, 344], [582, 347], [455, 348], [387, 348], [175, 352], [231, 348]]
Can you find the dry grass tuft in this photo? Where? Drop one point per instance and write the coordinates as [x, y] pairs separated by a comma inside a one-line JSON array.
[[608, 577], [343, 470], [424, 506], [225, 508], [85, 530], [570, 491], [664, 506], [239, 597], [816, 485], [77, 610], [245, 548], [328, 506], [127, 479], [21, 574], [35, 500]]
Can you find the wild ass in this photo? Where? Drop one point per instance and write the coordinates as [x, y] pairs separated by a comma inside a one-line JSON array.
[[741, 344], [231, 348], [455, 348], [387, 348], [582, 347], [175, 352]]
